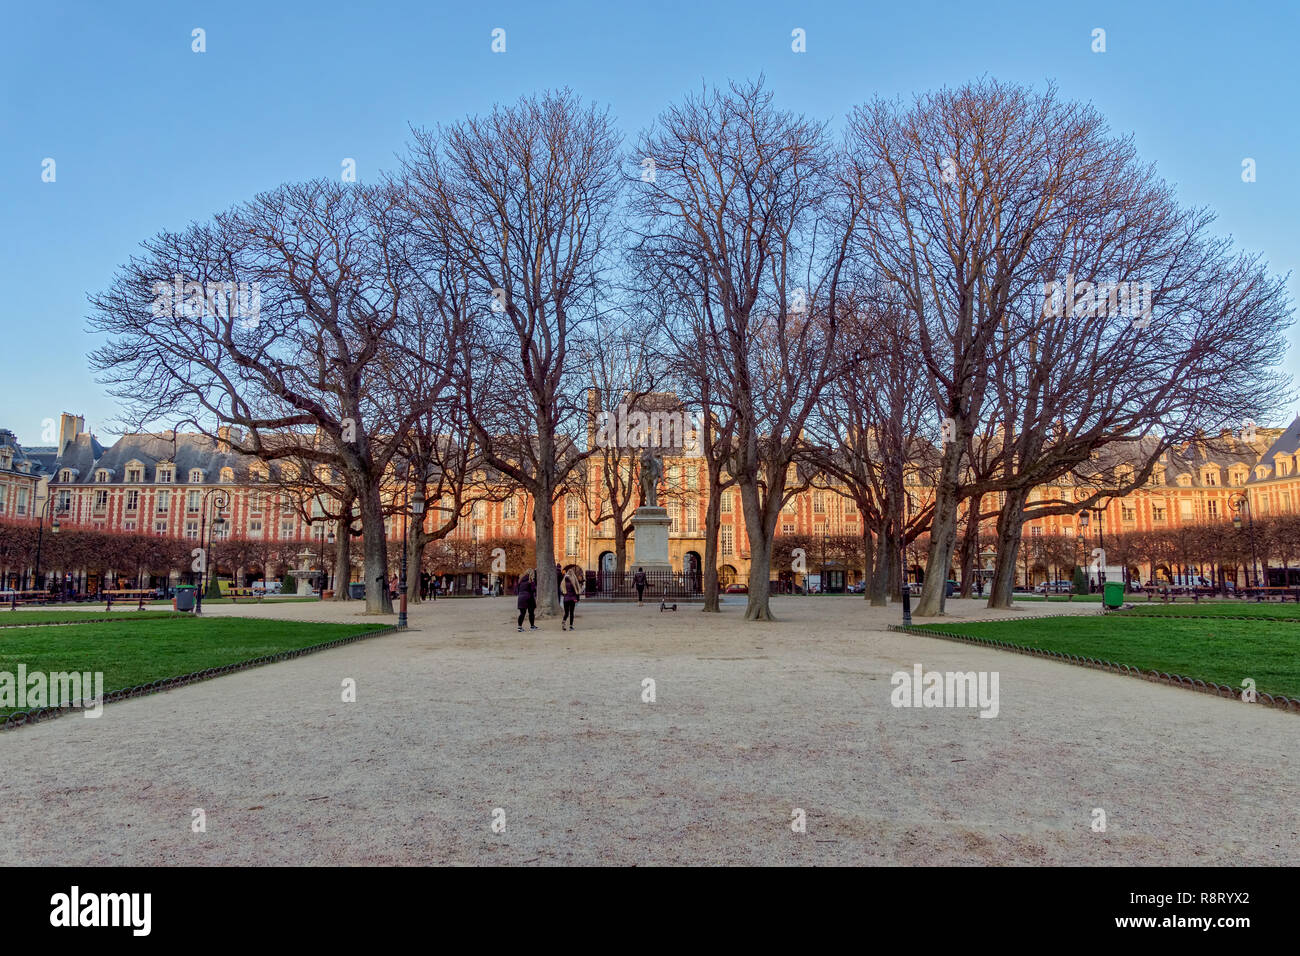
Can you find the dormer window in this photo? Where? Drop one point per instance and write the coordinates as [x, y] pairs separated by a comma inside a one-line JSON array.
[[135, 475], [65, 475], [101, 475], [196, 476], [165, 474], [227, 475], [1184, 481], [1261, 471], [1283, 466], [1211, 477]]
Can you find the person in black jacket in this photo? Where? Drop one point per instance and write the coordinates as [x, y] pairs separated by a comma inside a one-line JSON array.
[[639, 580], [526, 601], [570, 600]]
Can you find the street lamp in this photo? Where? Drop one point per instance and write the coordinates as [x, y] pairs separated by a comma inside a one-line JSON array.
[[222, 499], [326, 534], [902, 551], [40, 533], [1239, 502]]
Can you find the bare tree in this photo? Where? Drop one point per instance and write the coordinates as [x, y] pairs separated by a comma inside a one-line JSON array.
[[521, 199]]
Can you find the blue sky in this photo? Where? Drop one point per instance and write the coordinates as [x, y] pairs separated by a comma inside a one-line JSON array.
[[147, 134]]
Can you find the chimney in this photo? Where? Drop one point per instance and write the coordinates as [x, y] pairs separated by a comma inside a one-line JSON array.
[[70, 426]]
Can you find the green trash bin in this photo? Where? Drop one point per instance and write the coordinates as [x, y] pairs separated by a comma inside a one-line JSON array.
[[1112, 595], [185, 597]]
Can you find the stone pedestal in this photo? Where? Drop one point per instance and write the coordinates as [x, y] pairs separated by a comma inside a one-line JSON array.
[[650, 539]]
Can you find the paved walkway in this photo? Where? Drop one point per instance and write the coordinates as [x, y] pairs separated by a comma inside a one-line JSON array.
[[462, 715]]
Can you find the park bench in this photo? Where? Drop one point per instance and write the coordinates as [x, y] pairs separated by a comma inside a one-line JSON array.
[[127, 594], [17, 598]]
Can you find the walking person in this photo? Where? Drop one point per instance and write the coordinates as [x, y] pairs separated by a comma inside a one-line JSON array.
[[570, 600], [639, 580], [526, 601]]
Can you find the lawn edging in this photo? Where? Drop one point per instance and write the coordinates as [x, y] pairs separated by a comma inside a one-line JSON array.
[[22, 718], [1158, 677]]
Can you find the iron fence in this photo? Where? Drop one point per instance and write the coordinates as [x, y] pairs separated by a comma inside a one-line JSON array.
[[671, 585]]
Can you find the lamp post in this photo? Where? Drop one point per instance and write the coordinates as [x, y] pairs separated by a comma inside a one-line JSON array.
[[222, 500], [325, 533], [40, 532], [416, 506], [1239, 503], [902, 551], [1082, 536]]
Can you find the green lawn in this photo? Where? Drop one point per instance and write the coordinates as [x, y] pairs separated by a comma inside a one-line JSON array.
[[133, 651], [1054, 598], [1270, 612], [1223, 651], [21, 618]]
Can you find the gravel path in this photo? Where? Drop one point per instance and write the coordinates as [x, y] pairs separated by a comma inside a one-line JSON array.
[[462, 715]]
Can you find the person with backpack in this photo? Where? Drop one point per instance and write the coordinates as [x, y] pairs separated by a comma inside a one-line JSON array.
[[639, 580], [570, 600], [526, 601]]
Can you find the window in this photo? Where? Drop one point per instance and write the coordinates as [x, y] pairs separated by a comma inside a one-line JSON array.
[[135, 475], [227, 475], [674, 476], [64, 501], [164, 502], [1212, 509], [692, 517], [101, 500], [191, 529], [286, 528], [132, 500], [1285, 501], [571, 540], [1157, 512], [1185, 509], [128, 525], [101, 475], [254, 527], [787, 527], [727, 534], [726, 502], [1283, 467], [478, 510], [791, 506], [819, 505], [192, 501], [1184, 481], [160, 526], [674, 517], [571, 504], [1035, 531], [1128, 512], [256, 502], [65, 474], [196, 476], [3, 489], [692, 478], [165, 474], [1211, 478], [851, 508], [22, 501], [510, 509]]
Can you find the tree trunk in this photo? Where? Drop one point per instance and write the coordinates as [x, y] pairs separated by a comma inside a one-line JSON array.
[[1010, 529], [374, 552], [970, 544], [712, 522], [544, 522], [342, 555], [760, 552], [943, 531]]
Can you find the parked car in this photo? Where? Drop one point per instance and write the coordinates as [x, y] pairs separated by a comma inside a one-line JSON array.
[[268, 587], [1055, 587], [736, 589], [857, 588]]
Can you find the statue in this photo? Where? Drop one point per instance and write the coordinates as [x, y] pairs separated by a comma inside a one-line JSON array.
[[652, 469]]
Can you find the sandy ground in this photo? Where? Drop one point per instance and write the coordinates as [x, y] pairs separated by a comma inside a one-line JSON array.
[[462, 715]]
